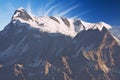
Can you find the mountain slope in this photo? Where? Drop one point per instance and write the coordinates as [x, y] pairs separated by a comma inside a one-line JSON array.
[[116, 32], [52, 48]]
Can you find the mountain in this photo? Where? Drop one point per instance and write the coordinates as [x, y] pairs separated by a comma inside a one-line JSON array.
[[116, 32], [53, 48]]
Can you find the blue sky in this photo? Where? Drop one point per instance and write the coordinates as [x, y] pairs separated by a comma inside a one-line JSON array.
[[88, 10]]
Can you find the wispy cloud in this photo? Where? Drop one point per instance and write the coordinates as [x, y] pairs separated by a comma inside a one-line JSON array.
[[67, 11], [47, 5], [28, 8], [52, 9], [80, 14], [83, 13], [40, 11], [55, 10], [10, 7]]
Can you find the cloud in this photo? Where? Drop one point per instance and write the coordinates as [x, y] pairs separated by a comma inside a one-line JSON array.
[[28, 8], [10, 7], [67, 11], [52, 8], [40, 11], [80, 14], [83, 13]]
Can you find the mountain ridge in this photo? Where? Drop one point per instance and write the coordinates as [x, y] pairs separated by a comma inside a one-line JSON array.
[[64, 26], [29, 53]]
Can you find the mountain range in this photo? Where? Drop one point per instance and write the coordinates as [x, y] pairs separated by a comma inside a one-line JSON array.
[[54, 48]]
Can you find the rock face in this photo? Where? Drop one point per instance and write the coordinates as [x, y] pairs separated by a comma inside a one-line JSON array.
[[28, 52]]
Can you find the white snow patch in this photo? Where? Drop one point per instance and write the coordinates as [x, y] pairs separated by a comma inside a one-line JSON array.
[[98, 25], [116, 39]]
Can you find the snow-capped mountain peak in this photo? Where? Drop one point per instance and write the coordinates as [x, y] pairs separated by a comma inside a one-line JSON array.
[[98, 25], [21, 8], [52, 24], [21, 13]]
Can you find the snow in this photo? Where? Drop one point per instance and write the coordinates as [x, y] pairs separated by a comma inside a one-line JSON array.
[[17, 14], [21, 8], [116, 32], [87, 25], [118, 41], [46, 24], [20, 65], [98, 25]]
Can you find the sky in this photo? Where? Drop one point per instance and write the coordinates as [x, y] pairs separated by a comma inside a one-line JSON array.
[[88, 10]]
